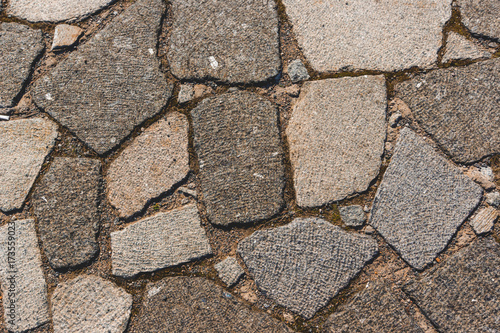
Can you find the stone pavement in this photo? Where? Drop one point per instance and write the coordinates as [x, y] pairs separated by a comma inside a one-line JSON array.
[[249, 165]]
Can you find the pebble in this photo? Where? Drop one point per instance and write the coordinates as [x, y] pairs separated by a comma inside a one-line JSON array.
[[65, 35], [394, 119], [229, 271], [352, 216], [297, 71], [483, 221], [493, 198], [186, 93]]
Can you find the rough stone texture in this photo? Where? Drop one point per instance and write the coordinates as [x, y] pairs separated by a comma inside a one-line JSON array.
[[297, 71], [463, 294], [65, 35], [336, 136], [24, 145], [22, 259], [153, 163], [90, 304], [383, 35], [421, 201], [163, 240], [196, 305], [484, 220], [376, 309], [112, 83], [481, 16], [20, 46], [479, 177], [186, 93], [66, 204], [458, 107], [229, 271], [230, 41], [54, 11], [304, 264], [493, 198], [241, 169], [458, 47], [352, 216]]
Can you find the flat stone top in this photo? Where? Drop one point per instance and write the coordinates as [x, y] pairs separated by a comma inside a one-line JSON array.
[[458, 47], [481, 16]]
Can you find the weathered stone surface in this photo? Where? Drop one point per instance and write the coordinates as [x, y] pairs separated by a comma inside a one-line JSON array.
[[458, 47], [481, 16], [21, 277], [153, 163], [65, 35], [230, 41], [463, 294], [195, 305], [163, 240], [421, 201], [54, 11], [238, 145], [336, 136], [229, 271], [66, 205], [304, 264], [20, 46], [484, 220], [186, 93], [384, 35], [90, 304], [25, 144], [112, 83], [297, 71], [376, 309], [352, 216], [458, 107], [493, 198]]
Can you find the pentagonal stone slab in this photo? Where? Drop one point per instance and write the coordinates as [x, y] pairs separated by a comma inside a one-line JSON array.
[[458, 107], [458, 47], [463, 294], [481, 16], [240, 157], [112, 83], [66, 205], [153, 163], [336, 137], [20, 46], [383, 35], [304, 264], [196, 305], [90, 304], [25, 144], [421, 201], [163, 240], [23, 283], [230, 41]]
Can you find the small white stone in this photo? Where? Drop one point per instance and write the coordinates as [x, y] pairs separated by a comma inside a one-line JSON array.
[[213, 62]]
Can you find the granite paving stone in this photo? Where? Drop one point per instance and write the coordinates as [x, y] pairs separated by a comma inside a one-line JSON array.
[[458, 48], [481, 16], [229, 271], [352, 216]]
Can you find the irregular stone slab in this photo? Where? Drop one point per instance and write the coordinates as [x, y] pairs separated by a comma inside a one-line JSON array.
[[163, 240], [458, 107], [23, 283], [90, 304], [240, 156], [336, 136], [229, 271], [463, 294], [458, 47], [232, 41], [297, 71], [65, 35], [195, 305], [25, 144], [112, 83], [481, 17], [66, 204], [54, 11], [422, 201], [304, 264], [153, 163], [375, 309], [484, 220], [352, 216], [20, 46], [385, 35]]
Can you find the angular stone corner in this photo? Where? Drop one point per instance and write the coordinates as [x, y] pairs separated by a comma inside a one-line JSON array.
[[459, 48], [231, 41], [458, 107], [481, 17], [21, 277], [306, 263], [112, 83], [90, 304], [66, 204], [422, 200], [151, 165], [237, 140], [229, 271], [162, 240], [24, 145], [336, 136]]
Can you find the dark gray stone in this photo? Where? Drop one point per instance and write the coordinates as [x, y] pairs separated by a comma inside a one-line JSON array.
[[297, 71], [458, 107], [66, 205], [304, 264], [196, 305], [352, 216], [112, 83], [240, 156], [463, 294], [422, 200], [481, 16], [231, 41]]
